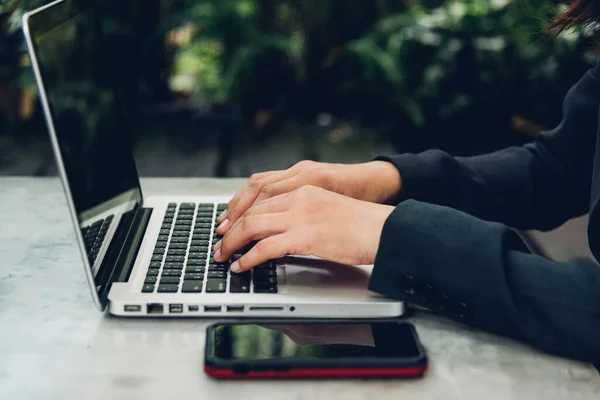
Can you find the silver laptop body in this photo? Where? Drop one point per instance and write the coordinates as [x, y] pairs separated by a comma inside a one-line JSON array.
[[152, 256]]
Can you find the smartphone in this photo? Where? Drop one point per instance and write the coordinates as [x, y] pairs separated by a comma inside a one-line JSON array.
[[314, 350]]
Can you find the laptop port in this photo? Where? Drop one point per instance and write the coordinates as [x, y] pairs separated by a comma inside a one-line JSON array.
[[235, 308], [212, 308], [193, 308], [155, 309], [176, 308], [266, 308], [133, 308]]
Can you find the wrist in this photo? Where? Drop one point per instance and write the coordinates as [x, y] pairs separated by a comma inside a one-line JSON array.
[[384, 182]]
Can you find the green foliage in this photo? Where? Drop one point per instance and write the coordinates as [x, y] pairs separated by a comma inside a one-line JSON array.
[[424, 66]]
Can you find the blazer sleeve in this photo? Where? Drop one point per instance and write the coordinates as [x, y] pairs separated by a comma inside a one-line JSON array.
[[536, 186], [479, 273]]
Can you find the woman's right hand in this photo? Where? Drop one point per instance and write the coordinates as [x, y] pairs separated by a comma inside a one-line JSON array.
[[376, 181]]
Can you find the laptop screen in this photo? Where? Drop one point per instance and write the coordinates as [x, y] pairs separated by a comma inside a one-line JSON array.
[[76, 77], [78, 74]]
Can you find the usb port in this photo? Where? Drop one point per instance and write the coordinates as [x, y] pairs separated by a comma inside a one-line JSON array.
[[133, 308], [176, 308], [155, 308], [193, 308], [212, 308], [235, 308]]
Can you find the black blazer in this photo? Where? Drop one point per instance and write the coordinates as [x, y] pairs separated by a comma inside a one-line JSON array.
[[448, 246]]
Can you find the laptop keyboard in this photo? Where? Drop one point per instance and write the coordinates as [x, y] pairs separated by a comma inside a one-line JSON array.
[[182, 261], [94, 235]]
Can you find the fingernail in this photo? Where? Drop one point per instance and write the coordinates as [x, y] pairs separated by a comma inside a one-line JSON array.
[[235, 267], [218, 245], [223, 214], [223, 224], [218, 255]]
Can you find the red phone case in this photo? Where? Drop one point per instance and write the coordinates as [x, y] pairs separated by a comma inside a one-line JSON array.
[[371, 368], [408, 372]]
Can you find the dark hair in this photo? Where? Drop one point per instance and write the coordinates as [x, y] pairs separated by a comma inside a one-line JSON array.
[[579, 14]]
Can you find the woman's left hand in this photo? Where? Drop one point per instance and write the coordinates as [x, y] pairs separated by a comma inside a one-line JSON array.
[[308, 221]]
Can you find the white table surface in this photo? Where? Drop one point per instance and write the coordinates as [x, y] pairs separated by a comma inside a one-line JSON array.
[[54, 344]]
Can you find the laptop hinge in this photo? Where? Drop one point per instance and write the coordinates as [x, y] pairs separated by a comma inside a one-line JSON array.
[[122, 253]]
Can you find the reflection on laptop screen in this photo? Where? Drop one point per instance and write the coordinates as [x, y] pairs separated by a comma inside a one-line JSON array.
[[93, 141]]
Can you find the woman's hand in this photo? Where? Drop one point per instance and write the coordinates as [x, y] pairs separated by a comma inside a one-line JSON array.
[[376, 182], [307, 221]]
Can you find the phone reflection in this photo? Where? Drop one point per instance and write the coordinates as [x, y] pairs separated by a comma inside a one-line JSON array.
[[268, 341]]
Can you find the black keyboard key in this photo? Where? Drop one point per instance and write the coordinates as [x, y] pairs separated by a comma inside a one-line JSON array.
[[218, 267], [264, 274], [176, 253], [265, 289], [222, 207], [192, 287], [203, 226], [175, 259], [173, 266], [163, 237], [148, 288], [196, 243], [199, 249], [159, 252], [270, 265], [216, 286], [201, 236], [165, 232], [204, 219], [157, 257], [181, 234], [168, 288], [194, 269], [155, 264], [205, 212], [161, 244], [216, 274], [153, 272], [267, 281], [239, 284], [197, 256], [151, 280], [173, 246], [196, 262], [196, 276], [169, 280], [171, 272]]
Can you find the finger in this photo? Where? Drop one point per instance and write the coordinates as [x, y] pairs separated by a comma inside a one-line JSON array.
[[247, 198], [240, 193], [267, 249], [275, 205], [281, 187], [250, 228]]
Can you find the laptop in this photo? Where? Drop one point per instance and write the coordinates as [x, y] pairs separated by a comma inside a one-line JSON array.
[[152, 256]]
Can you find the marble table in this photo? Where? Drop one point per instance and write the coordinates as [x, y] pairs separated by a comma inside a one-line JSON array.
[[54, 344]]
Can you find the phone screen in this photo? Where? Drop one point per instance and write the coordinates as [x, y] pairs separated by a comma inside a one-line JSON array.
[[389, 340]]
